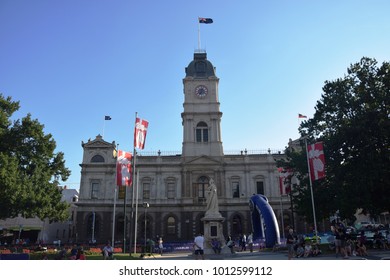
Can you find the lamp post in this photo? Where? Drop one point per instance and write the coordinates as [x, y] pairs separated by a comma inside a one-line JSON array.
[[146, 206]]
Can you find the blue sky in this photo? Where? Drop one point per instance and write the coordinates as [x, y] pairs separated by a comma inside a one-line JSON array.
[[70, 63]]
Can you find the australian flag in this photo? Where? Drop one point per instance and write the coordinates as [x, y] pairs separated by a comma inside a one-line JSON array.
[[205, 20]]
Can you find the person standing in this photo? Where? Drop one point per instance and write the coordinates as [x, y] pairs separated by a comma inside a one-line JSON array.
[[243, 242], [250, 242], [199, 246], [160, 245], [230, 244], [291, 240]]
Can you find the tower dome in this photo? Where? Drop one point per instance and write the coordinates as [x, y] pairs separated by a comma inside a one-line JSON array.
[[200, 67]]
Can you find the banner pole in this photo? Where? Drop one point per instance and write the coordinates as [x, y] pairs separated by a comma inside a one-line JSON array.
[[311, 191], [132, 227], [115, 194], [136, 212]]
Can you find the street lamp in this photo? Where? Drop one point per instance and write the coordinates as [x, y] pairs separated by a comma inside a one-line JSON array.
[[146, 206]]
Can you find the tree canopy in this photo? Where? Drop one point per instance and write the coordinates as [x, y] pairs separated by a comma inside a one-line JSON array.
[[29, 168], [352, 118]]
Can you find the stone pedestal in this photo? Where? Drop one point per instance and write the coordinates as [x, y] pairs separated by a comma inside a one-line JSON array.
[[213, 229]]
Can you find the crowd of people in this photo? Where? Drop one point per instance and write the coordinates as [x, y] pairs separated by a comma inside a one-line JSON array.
[[346, 243], [75, 253], [299, 247]]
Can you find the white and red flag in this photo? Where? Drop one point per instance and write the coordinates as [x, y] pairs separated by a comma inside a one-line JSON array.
[[284, 180], [123, 169], [141, 127], [316, 161]]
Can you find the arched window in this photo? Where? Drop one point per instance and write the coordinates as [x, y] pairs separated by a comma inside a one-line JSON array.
[[202, 132], [97, 158], [171, 226]]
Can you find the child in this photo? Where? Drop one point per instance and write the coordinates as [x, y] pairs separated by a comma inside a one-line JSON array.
[[307, 250]]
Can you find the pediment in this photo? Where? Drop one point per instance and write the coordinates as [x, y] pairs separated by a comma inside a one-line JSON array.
[[98, 142], [203, 160]]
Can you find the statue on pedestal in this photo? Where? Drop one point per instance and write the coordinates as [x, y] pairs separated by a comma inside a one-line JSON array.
[[212, 200], [212, 221]]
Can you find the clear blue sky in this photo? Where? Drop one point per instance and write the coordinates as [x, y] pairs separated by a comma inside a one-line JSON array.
[[70, 63]]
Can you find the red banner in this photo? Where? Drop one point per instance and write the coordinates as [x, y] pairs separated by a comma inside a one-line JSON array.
[[284, 181], [141, 127], [316, 161], [123, 169]]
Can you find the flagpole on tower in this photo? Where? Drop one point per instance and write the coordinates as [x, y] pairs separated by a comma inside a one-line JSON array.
[[106, 118], [205, 21], [198, 34]]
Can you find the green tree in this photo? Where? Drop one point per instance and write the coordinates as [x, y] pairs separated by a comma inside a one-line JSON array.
[[353, 120], [29, 168]]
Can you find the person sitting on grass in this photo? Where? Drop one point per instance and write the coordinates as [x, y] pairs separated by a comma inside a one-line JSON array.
[[107, 251], [361, 249], [300, 251], [316, 250], [308, 250]]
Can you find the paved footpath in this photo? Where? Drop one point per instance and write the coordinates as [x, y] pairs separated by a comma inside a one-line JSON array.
[[265, 255]]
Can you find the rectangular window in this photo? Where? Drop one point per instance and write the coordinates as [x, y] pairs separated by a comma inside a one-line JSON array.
[[94, 189], [146, 190], [205, 135], [201, 191], [236, 189], [171, 190], [198, 135], [260, 188]]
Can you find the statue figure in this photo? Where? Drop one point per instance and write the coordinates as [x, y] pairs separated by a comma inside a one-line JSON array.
[[212, 200]]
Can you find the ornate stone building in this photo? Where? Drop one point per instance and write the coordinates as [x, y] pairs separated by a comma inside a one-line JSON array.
[[174, 186]]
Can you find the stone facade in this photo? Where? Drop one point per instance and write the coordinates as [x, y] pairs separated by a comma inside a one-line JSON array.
[[175, 186]]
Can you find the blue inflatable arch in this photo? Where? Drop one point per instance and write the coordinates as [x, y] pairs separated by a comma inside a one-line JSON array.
[[264, 221]]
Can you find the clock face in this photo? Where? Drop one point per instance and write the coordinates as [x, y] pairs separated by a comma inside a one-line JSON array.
[[201, 91]]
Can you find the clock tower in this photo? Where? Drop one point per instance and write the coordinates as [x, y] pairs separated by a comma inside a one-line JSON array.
[[201, 117]]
